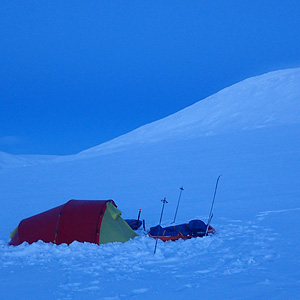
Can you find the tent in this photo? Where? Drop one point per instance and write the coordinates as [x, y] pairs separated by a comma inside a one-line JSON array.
[[94, 221]]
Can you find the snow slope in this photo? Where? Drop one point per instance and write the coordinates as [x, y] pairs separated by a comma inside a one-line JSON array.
[[249, 132], [264, 101]]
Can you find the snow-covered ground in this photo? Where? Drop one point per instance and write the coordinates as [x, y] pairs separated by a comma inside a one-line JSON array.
[[249, 132]]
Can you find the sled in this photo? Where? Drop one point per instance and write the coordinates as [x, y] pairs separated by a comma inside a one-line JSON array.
[[193, 229]]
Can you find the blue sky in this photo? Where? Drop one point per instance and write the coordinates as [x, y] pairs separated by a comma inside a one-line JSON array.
[[75, 74]]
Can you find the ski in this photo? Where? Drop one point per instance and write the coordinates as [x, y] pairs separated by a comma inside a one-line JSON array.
[[181, 189], [212, 205]]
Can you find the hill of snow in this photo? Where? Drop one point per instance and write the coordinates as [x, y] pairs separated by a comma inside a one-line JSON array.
[[263, 101], [249, 132]]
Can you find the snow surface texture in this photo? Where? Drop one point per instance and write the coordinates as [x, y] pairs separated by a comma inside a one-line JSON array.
[[249, 132]]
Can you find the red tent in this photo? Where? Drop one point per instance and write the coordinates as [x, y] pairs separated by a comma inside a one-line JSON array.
[[76, 220]]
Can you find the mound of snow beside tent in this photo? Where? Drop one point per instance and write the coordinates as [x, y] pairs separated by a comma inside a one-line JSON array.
[[249, 132]]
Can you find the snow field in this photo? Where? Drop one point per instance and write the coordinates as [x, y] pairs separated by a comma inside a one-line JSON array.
[[84, 269]]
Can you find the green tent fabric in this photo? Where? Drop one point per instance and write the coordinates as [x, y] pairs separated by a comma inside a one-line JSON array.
[[113, 227]]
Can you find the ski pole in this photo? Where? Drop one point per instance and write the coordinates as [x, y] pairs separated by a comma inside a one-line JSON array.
[[181, 189], [137, 222], [212, 205], [164, 201], [144, 225]]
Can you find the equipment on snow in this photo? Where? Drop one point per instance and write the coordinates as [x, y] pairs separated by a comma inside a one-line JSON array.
[[136, 223], [195, 228]]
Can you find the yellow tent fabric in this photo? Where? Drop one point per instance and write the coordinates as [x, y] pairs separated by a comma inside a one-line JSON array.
[[13, 232], [113, 227]]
